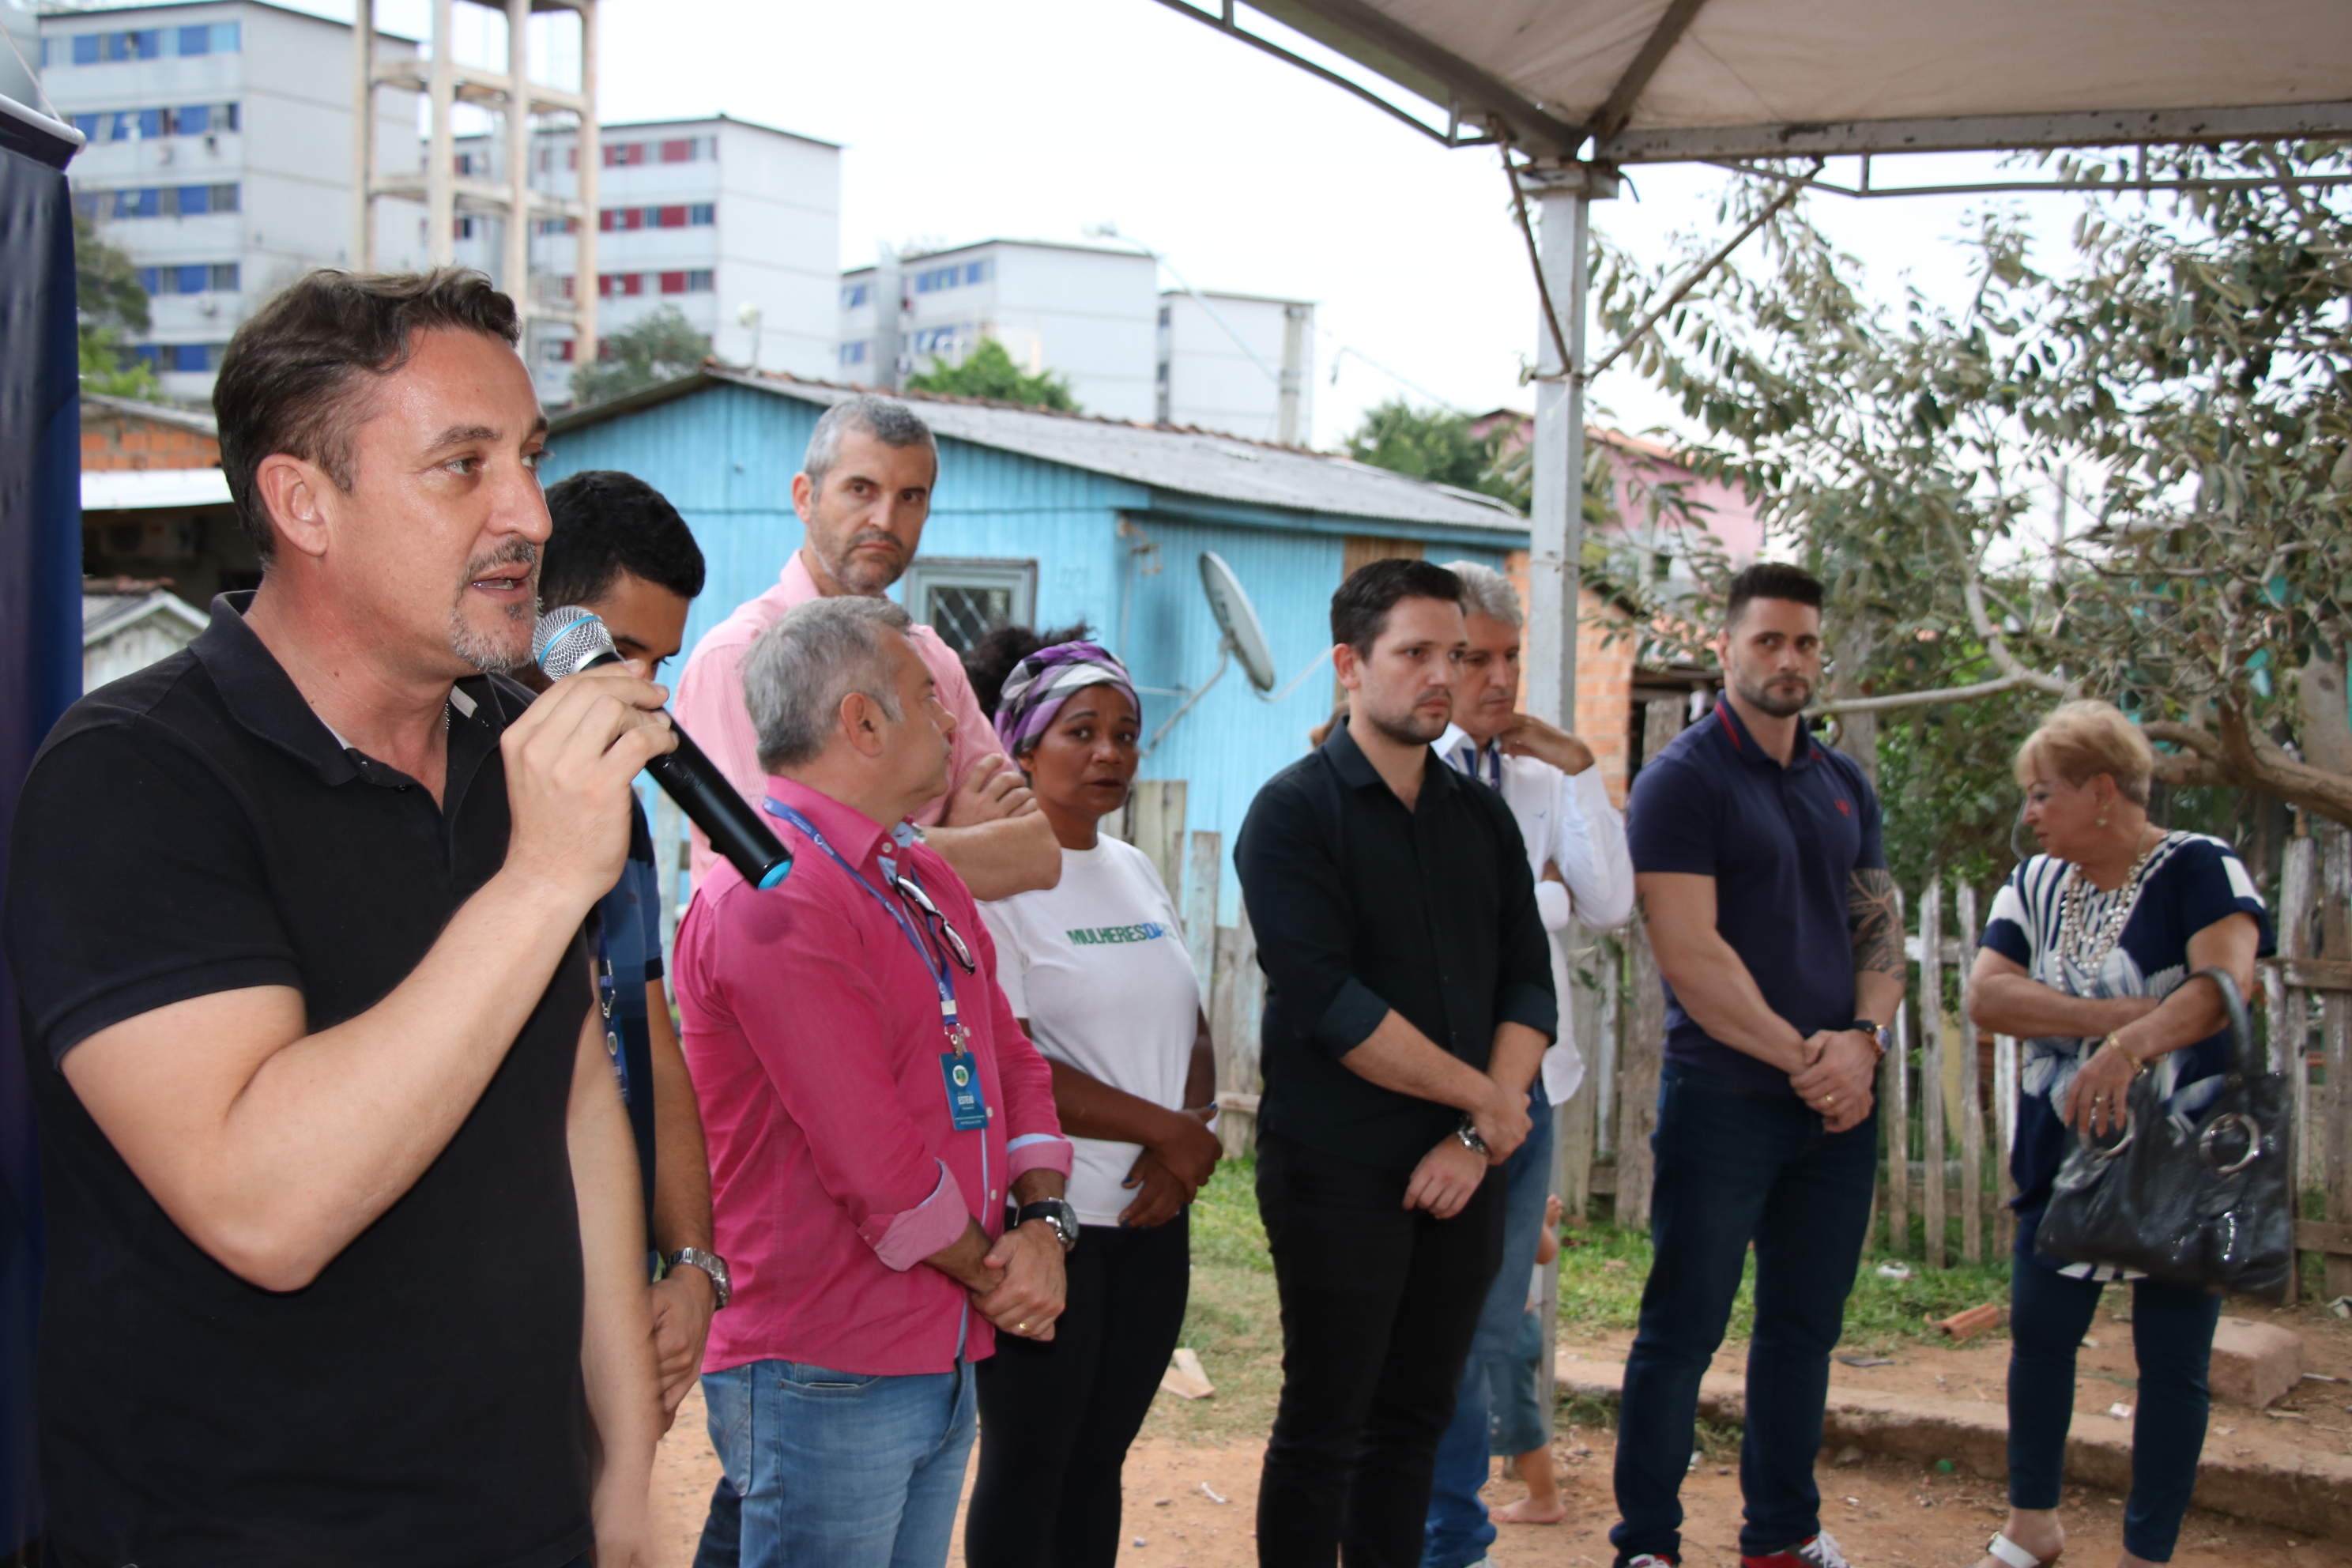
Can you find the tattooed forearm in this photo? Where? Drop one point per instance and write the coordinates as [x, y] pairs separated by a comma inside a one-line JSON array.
[[1875, 920]]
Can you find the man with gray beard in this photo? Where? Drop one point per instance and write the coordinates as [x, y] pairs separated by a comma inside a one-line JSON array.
[[346, 1259]]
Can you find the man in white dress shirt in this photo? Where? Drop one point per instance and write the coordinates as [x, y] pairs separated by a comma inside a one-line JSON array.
[[1576, 844]]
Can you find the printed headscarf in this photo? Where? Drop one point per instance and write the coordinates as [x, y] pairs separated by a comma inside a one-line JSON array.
[[1033, 693]]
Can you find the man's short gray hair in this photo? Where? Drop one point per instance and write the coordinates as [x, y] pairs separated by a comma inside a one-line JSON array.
[[798, 671], [1486, 592], [886, 419]]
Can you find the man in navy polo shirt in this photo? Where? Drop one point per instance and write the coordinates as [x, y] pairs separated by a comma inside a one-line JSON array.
[[1756, 857]]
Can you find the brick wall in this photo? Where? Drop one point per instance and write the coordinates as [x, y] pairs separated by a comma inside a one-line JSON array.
[[1604, 678], [119, 441]]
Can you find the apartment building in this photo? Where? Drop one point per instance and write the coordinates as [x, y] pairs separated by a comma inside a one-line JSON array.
[[220, 159], [737, 225], [1082, 311], [1225, 361]]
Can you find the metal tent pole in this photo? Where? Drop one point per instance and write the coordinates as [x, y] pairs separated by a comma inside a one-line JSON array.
[[1556, 544]]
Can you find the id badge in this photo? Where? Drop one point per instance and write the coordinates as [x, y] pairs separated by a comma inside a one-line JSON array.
[[967, 1107]]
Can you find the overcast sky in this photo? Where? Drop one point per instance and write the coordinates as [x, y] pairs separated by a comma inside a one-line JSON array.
[[961, 119]]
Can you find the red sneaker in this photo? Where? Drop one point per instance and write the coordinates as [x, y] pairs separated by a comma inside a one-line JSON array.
[[1813, 1551]]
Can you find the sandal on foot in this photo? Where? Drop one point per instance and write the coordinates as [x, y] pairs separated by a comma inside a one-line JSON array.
[[2016, 1556]]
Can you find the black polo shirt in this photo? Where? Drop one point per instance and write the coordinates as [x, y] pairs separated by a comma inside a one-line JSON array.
[[196, 828], [1782, 845], [1361, 907]]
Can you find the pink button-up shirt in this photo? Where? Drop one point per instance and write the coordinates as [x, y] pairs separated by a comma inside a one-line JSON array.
[[709, 700], [814, 1035]]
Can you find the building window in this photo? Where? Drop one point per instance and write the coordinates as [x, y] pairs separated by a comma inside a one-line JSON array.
[[697, 280], [545, 225], [673, 282], [142, 44], [669, 218], [678, 150], [855, 295], [624, 154], [855, 354], [144, 125], [941, 341], [191, 359], [964, 600], [462, 227], [621, 283], [979, 271], [702, 214]]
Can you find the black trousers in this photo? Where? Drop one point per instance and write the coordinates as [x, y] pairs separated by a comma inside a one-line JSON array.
[[1056, 1418], [1379, 1306]]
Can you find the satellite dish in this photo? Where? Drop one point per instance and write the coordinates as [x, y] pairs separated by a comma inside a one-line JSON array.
[[1244, 639], [1237, 619]]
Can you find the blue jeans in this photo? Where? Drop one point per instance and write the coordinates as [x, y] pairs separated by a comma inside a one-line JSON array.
[[1734, 1166], [2172, 1339], [839, 1470], [1512, 1385], [1457, 1530]]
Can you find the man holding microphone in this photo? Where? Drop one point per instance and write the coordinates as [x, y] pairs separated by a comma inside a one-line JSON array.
[[346, 1262]]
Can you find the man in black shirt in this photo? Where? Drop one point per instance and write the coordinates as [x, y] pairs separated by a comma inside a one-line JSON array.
[[345, 1257], [1409, 1002]]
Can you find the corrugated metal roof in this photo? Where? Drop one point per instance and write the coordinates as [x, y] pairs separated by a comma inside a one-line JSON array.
[[142, 490], [1185, 461]]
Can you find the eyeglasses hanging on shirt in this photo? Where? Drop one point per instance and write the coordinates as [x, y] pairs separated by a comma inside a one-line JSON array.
[[943, 930]]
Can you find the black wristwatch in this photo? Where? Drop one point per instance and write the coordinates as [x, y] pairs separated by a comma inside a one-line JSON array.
[[1881, 1035], [711, 1263], [1058, 1216]]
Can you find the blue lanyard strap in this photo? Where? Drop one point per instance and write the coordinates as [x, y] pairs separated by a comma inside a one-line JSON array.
[[938, 966]]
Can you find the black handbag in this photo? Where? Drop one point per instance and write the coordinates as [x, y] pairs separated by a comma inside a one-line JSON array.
[[2210, 1206]]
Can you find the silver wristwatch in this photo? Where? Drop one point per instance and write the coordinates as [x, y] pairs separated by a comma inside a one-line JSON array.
[[1468, 1133], [1059, 1217], [711, 1263]]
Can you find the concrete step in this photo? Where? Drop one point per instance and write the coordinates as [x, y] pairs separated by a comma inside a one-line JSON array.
[[2264, 1471]]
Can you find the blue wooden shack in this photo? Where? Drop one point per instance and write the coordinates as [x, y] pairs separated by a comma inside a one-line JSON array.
[[1053, 518]]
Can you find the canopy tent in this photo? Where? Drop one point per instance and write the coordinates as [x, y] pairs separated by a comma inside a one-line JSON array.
[[1580, 86]]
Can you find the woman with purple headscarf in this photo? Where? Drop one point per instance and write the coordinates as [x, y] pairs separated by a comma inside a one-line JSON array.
[[1097, 970]]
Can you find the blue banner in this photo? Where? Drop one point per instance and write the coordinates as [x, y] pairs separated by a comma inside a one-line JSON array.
[[40, 674]]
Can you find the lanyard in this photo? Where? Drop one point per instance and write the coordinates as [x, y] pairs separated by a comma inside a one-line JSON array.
[[938, 966]]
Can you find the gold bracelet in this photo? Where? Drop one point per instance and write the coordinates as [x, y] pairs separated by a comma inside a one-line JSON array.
[[2139, 1066]]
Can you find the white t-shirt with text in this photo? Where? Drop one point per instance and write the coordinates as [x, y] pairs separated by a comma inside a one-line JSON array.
[[1096, 964]]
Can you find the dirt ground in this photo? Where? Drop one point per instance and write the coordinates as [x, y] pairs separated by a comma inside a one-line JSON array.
[[1189, 1502]]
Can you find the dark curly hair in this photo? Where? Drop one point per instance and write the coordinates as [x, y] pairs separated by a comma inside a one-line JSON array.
[[606, 523], [988, 661]]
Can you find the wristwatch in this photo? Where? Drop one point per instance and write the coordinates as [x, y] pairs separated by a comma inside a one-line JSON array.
[[711, 1263], [1880, 1034], [1468, 1133], [1059, 1217]]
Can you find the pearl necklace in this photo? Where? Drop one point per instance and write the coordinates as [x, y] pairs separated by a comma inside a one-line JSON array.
[[2089, 948]]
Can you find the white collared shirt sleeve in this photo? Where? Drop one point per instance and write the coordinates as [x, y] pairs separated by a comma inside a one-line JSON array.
[[1589, 847]]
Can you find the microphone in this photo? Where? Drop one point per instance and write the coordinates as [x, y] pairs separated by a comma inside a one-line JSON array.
[[570, 640]]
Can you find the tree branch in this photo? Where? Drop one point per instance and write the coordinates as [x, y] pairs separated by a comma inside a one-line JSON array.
[[2263, 765], [1900, 699], [1972, 594]]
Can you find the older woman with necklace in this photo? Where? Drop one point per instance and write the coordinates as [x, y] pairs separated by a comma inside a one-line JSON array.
[[2086, 959]]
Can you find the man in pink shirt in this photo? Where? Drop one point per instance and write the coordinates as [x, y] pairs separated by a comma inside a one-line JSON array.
[[864, 494], [872, 1107]]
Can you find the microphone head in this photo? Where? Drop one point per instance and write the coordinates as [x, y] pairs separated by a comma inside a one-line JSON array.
[[568, 640]]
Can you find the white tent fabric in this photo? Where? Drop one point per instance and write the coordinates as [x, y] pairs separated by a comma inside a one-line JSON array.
[[1767, 75]]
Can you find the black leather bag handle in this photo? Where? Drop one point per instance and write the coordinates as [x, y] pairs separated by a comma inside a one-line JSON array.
[[2242, 1058]]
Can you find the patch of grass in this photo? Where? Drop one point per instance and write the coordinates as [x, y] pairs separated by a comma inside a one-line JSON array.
[[1225, 1227], [1602, 1269]]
